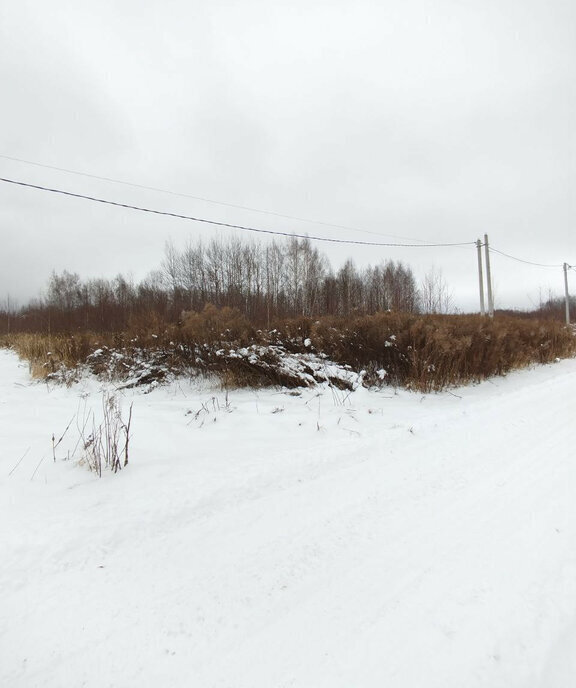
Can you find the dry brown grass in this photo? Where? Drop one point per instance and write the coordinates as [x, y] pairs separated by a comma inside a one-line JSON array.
[[46, 354], [212, 325], [435, 351], [423, 353]]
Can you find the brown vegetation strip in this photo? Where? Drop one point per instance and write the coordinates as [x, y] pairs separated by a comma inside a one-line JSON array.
[[420, 352]]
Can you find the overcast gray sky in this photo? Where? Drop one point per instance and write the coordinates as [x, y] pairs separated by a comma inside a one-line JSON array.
[[431, 120]]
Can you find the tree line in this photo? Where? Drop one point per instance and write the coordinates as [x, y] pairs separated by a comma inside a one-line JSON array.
[[265, 282]]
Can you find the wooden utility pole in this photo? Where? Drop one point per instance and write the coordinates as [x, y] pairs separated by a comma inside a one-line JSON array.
[[488, 278], [480, 277], [567, 295]]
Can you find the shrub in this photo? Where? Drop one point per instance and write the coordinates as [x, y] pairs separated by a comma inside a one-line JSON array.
[[215, 325]]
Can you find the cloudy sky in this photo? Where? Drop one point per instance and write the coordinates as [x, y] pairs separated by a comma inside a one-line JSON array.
[[420, 120]]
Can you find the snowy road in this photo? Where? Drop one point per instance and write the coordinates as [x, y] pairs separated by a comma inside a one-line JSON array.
[[380, 540]]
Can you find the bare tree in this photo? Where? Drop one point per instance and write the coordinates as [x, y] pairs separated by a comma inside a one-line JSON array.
[[435, 296]]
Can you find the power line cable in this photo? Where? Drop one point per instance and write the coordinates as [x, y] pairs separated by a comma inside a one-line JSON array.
[[520, 260], [223, 224], [203, 199]]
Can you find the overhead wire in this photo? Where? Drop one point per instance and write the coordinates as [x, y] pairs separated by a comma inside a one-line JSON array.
[[521, 260], [202, 198], [227, 224]]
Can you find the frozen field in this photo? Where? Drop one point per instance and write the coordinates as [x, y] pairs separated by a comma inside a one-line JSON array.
[[263, 540]]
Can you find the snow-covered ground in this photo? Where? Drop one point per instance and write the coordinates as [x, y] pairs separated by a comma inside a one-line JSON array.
[[264, 540]]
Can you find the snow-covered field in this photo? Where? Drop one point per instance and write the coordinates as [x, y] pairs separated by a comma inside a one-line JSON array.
[[264, 540]]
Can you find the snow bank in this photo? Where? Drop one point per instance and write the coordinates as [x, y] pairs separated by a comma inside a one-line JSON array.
[[267, 539]]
